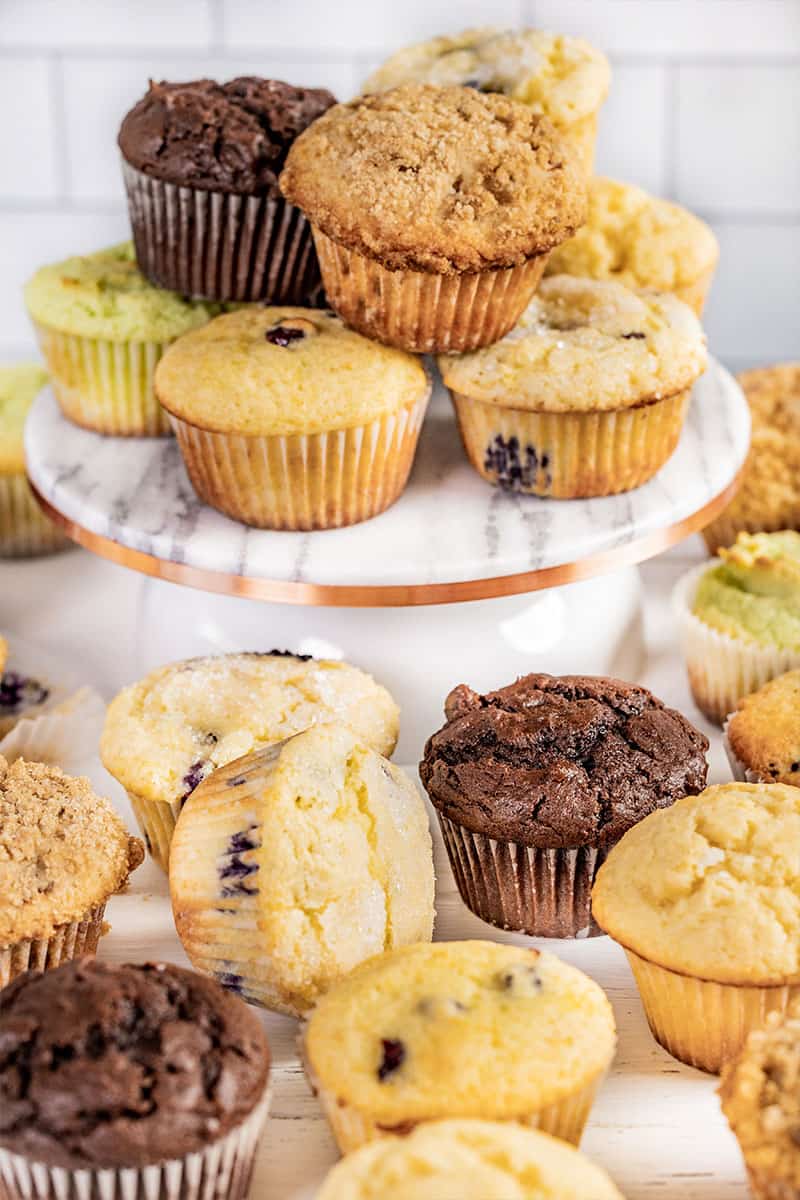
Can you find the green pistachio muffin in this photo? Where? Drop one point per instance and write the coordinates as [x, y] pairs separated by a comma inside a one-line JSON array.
[[739, 619], [24, 529], [102, 328], [762, 735]]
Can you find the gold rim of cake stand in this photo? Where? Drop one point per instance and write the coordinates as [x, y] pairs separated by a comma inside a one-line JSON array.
[[277, 591]]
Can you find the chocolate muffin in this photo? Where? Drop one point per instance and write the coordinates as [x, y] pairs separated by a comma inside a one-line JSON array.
[[135, 1071], [201, 162], [534, 783]]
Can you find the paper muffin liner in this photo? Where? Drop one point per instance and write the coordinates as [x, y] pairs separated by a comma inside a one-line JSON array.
[[544, 893], [740, 772], [722, 669], [726, 528], [156, 820], [422, 311], [699, 1022], [63, 736], [221, 246], [103, 385], [25, 532], [570, 455], [304, 481], [68, 941], [222, 1170], [762, 1187]]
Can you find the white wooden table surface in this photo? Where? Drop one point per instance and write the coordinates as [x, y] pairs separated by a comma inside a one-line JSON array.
[[656, 1125]]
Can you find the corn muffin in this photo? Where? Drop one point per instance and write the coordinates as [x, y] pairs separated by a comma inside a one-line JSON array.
[[166, 733], [762, 734], [705, 899], [586, 396], [286, 419], [292, 865], [102, 328], [459, 1029], [739, 619], [768, 498], [433, 211], [470, 1160], [24, 529], [63, 853], [564, 78], [641, 241]]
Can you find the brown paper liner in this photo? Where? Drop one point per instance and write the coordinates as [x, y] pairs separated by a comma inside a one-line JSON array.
[[570, 455], [764, 1188], [544, 893], [221, 246], [726, 528], [303, 481], [25, 532], [44, 954], [421, 311]]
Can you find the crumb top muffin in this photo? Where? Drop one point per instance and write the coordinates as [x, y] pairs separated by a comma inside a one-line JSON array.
[[636, 239], [760, 1093], [753, 594], [560, 761], [123, 1066], [63, 850], [471, 1160], [443, 180], [228, 137], [105, 295], [565, 78], [285, 371], [454, 1028], [764, 731], [586, 345], [19, 387], [163, 735], [710, 887]]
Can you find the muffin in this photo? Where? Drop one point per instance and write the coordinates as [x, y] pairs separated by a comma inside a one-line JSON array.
[[739, 619], [24, 529], [534, 783], [702, 896], [128, 1081], [586, 396], [641, 241], [760, 1093], [768, 498], [433, 211], [63, 853], [102, 328], [459, 1029], [288, 420], [165, 734], [762, 735], [292, 865], [564, 78], [471, 1160], [201, 162]]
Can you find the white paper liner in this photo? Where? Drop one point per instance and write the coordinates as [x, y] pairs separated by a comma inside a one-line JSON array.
[[63, 736], [740, 772]]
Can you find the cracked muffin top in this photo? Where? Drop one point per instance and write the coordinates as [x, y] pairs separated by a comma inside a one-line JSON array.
[[585, 345], [228, 137], [764, 730], [120, 1066], [443, 180], [555, 761], [63, 850], [710, 887]]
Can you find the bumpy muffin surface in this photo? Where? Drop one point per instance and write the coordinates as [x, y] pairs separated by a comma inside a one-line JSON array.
[[63, 850], [753, 594], [586, 345], [122, 1066], [19, 387], [229, 137], [764, 731], [560, 761], [437, 179]]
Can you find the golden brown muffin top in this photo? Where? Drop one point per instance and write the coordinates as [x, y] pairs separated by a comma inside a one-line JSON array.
[[436, 179], [764, 731]]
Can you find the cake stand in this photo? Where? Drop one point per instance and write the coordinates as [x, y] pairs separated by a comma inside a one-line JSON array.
[[457, 582]]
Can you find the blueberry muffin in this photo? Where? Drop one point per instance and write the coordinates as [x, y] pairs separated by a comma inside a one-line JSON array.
[[201, 162], [433, 211], [762, 734], [24, 529], [166, 733]]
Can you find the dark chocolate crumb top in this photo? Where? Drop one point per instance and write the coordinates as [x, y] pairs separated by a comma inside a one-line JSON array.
[[111, 1066], [564, 761], [229, 137]]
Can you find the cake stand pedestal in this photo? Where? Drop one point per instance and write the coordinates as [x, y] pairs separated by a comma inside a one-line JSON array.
[[457, 582]]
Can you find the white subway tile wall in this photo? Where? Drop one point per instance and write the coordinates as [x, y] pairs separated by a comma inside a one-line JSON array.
[[705, 108]]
